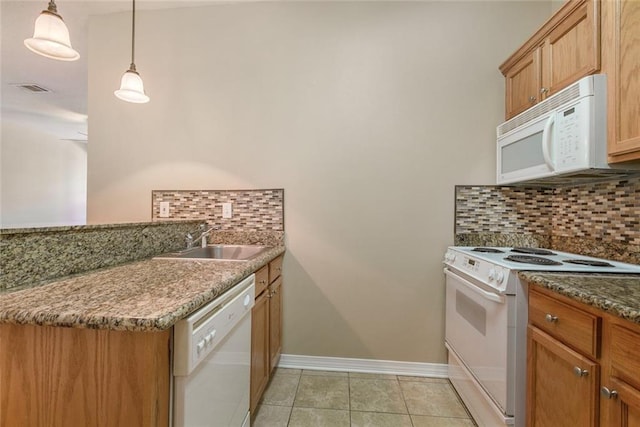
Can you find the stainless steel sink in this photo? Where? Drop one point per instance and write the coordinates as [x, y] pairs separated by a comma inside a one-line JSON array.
[[217, 253]]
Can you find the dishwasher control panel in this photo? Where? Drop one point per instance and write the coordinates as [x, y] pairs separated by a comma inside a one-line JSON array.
[[198, 335]]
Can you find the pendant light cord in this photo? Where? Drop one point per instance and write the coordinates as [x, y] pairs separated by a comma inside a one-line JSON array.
[[133, 36]]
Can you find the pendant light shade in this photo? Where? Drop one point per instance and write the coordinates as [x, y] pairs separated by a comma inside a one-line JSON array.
[[51, 36], [131, 86]]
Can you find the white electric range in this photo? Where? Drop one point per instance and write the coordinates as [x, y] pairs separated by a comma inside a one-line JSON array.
[[486, 321]]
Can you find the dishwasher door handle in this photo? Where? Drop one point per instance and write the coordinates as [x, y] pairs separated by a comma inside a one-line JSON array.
[[485, 294]]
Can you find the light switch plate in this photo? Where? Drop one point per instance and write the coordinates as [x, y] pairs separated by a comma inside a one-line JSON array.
[[164, 210], [227, 210]]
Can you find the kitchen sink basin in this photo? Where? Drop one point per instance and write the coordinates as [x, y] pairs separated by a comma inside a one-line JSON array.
[[217, 253]]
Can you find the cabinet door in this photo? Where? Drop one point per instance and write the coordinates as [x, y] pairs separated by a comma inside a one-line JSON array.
[[522, 84], [562, 385], [275, 268], [259, 349], [621, 50], [572, 49], [275, 322], [624, 405], [262, 279], [72, 377]]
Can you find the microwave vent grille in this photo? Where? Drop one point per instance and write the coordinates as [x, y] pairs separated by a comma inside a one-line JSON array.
[[567, 95]]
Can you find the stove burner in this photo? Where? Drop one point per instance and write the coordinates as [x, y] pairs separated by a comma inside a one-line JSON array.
[[589, 262], [532, 251], [488, 250], [526, 259]]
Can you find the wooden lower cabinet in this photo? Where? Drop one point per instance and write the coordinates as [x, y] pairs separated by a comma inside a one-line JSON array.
[[563, 385], [621, 388], [567, 383], [266, 331], [260, 362], [275, 322], [624, 405], [54, 376]]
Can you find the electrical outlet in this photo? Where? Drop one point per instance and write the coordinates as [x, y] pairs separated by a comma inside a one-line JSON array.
[[164, 210], [227, 210]]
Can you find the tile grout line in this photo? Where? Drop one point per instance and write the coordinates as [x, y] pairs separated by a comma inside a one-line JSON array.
[[349, 394], [294, 397], [350, 409], [404, 400]]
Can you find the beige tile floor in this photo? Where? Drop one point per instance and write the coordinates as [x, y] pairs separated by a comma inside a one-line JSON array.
[[296, 398]]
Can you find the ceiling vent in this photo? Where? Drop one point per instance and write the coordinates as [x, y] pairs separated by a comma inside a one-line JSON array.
[[32, 87]]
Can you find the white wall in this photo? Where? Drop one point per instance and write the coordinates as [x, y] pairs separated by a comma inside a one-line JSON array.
[[366, 113], [43, 180]]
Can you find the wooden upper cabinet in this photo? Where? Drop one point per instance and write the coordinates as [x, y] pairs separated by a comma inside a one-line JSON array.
[[572, 49], [523, 82], [620, 61], [582, 38], [565, 49]]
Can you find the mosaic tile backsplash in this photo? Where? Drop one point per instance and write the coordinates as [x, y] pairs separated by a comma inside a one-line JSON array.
[[253, 210], [502, 210], [597, 219]]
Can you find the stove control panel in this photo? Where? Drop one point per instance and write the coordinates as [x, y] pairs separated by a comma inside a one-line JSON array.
[[484, 271], [496, 275]]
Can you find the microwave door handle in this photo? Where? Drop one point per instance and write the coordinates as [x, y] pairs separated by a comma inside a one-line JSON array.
[[546, 142]]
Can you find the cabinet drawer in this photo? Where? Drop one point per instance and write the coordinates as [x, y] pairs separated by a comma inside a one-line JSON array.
[[262, 280], [625, 348], [275, 269], [576, 328]]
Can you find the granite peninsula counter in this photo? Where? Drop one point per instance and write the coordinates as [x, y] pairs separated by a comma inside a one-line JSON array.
[[617, 294], [144, 296]]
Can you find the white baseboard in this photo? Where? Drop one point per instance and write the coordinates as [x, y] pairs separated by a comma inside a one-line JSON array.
[[434, 370]]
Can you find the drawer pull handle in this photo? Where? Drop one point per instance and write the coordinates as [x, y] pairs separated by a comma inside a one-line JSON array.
[[532, 99], [262, 282], [609, 394], [544, 90], [580, 372], [551, 318]]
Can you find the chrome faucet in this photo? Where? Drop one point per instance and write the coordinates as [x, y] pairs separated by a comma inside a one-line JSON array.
[[202, 238]]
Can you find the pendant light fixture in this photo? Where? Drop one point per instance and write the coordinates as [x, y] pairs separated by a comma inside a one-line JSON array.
[[131, 86], [51, 36]]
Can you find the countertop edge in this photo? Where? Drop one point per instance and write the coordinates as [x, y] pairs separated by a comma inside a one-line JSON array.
[[155, 324], [565, 284]]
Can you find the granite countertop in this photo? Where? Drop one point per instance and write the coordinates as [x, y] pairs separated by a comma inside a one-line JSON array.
[[617, 294], [148, 295]]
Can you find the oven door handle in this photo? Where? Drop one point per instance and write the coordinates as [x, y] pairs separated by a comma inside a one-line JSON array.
[[487, 295]]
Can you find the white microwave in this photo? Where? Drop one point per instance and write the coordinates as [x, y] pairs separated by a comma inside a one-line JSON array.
[[561, 139]]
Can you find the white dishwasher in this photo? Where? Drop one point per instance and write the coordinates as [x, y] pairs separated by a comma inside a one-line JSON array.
[[212, 357]]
